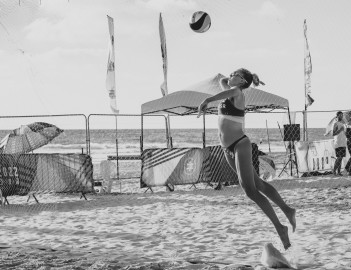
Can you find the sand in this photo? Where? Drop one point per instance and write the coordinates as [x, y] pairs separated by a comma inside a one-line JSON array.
[[166, 230]]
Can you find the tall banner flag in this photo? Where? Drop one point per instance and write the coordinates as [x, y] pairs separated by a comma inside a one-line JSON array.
[[308, 69], [164, 88], [110, 76]]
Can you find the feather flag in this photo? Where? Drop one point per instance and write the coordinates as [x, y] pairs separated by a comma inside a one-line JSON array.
[[164, 88], [110, 76], [308, 69], [309, 100]]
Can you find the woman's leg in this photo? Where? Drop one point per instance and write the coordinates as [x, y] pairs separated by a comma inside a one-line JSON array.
[[243, 166], [269, 191]]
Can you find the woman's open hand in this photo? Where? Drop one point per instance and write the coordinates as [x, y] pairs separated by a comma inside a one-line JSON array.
[[202, 107]]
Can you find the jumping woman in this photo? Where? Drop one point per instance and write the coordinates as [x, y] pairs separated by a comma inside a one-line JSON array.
[[237, 148]]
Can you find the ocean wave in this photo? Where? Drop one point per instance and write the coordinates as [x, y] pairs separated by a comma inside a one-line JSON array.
[[135, 147], [64, 146]]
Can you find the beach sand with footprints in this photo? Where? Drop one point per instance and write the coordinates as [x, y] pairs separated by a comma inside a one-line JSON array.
[[185, 229]]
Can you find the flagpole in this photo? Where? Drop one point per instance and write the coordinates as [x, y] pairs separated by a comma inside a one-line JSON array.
[[305, 117], [305, 135], [304, 76]]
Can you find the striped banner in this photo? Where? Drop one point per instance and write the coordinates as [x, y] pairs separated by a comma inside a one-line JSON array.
[[44, 173], [179, 166], [215, 168], [176, 166]]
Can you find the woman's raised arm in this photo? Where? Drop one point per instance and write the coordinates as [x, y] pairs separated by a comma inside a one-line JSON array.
[[233, 92], [224, 83]]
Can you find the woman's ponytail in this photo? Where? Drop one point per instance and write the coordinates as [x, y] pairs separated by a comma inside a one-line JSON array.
[[256, 81]]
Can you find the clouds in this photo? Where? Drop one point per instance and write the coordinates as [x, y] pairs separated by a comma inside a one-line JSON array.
[[269, 10], [167, 5], [257, 53], [65, 46], [68, 26]]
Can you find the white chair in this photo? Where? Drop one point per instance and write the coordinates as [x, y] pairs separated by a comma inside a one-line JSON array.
[[106, 169]]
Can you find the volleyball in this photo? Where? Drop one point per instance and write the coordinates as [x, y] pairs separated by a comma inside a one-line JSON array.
[[200, 22]]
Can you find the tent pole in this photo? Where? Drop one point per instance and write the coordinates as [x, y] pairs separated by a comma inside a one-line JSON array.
[[204, 131], [269, 144], [168, 131], [117, 169], [289, 116], [290, 144], [142, 134], [305, 135]]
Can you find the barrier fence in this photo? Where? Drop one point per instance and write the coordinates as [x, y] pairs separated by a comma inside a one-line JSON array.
[[276, 140], [120, 140], [42, 154], [119, 149]]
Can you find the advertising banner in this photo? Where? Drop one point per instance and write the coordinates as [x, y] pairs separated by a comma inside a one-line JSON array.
[[21, 174], [317, 156], [176, 166]]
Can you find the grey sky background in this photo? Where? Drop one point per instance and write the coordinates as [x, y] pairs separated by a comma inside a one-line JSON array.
[[54, 54]]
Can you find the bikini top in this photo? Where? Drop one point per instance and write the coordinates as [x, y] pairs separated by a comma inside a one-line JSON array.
[[226, 107]]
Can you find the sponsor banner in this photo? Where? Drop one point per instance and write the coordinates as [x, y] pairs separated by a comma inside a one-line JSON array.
[[63, 173], [39, 173], [317, 156], [176, 166], [179, 166], [17, 173], [216, 168]]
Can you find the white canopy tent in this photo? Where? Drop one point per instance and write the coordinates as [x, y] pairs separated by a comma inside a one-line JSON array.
[[186, 102]]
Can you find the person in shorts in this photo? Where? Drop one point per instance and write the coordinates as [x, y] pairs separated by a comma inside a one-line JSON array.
[[339, 142], [348, 141]]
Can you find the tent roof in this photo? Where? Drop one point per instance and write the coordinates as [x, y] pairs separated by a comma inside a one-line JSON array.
[[186, 102]]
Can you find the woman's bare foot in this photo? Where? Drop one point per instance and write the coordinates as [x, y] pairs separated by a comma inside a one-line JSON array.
[[292, 219], [284, 236]]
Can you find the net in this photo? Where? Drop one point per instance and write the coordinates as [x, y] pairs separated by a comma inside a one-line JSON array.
[[150, 202]]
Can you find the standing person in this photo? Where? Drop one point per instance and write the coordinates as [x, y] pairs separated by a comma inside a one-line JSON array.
[[339, 142], [237, 148], [348, 141]]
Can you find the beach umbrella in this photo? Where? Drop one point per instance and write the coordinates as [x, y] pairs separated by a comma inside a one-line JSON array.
[[27, 138]]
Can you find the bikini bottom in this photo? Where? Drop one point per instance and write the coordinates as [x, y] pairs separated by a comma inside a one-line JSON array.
[[230, 149]]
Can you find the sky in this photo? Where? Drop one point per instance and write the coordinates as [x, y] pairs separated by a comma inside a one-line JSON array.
[[53, 53]]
